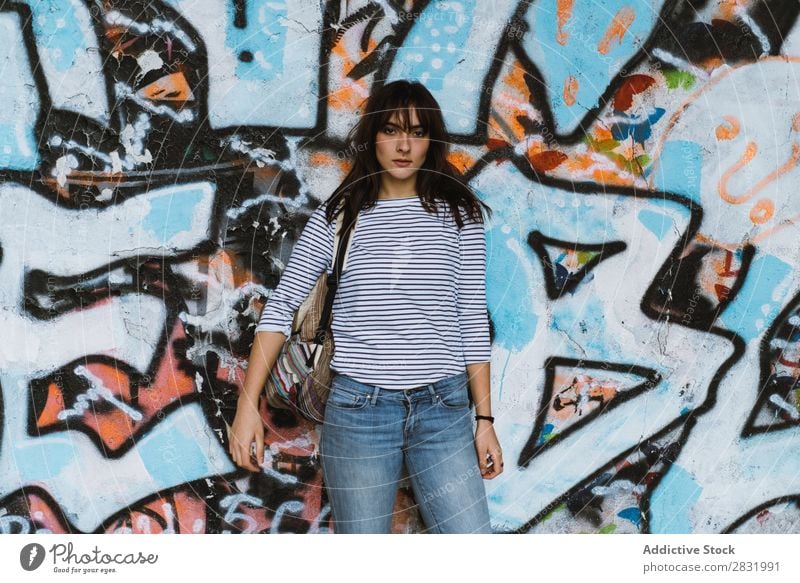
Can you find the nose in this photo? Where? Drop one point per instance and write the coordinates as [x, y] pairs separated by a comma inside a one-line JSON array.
[[403, 142]]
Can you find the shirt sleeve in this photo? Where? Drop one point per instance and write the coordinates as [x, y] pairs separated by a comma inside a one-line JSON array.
[[472, 313], [312, 254]]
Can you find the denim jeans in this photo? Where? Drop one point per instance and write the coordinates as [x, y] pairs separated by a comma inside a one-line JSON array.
[[369, 432]]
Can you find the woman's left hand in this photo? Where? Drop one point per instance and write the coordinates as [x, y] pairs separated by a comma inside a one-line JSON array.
[[490, 455]]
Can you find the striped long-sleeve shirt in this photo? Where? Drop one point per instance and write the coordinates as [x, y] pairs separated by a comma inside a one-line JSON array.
[[411, 303]]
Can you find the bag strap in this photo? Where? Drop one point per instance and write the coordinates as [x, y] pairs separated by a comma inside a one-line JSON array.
[[337, 235], [341, 250]]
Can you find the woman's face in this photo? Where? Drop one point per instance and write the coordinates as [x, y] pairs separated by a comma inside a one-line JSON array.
[[393, 145]]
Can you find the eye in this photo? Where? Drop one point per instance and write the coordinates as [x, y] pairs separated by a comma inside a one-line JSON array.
[[420, 133], [388, 130]]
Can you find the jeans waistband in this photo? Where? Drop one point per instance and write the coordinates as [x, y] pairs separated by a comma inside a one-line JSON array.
[[431, 388], [442, 383]]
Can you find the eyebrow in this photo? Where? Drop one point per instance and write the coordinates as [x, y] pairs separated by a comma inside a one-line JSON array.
[[388, 123]]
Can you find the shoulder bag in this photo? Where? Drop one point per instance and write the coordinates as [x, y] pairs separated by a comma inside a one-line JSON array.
[[301, 377]]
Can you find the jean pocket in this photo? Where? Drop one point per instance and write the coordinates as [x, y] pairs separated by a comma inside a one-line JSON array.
[[346, 398], [456, 397]]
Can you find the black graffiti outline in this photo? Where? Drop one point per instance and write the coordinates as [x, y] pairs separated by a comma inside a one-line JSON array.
[[533, 448], [700, 320], [750, 428], [538, 242], [738, 343], [733, 526]]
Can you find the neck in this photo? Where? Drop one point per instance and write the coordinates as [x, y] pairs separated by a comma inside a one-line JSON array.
[[393, 196], [397, 188]]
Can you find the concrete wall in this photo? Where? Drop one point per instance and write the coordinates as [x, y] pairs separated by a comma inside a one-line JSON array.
[[159, 159]]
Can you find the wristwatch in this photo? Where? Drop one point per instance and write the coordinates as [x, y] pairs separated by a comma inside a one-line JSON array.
[[487, 417]]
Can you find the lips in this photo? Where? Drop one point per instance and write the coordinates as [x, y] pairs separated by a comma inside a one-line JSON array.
[[402, 162]]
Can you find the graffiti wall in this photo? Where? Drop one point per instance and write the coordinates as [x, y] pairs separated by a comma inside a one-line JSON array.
[[159, 158]]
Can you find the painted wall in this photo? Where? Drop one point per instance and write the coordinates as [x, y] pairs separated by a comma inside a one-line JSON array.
[[159, 159]]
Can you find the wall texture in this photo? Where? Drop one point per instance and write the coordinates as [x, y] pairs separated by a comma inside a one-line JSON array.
[[158, 160]]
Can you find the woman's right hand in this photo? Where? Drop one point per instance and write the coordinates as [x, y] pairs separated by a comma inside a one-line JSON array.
[[247, 427]]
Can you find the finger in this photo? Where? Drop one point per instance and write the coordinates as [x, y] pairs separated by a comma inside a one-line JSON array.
[[493, 472], [246, 463], [247, 456], [260, 450], [486, 463], [499, 463], [490, 468], [232, 449], [242, 456], [237, 457], [481, 462]]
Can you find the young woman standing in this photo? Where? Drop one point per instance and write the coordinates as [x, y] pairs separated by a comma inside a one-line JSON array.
[[410, 328]]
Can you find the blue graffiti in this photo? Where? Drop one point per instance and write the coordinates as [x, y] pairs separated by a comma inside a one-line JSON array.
[[256, 32]]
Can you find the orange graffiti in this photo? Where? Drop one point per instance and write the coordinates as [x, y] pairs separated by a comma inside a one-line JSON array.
[[564, 13], [350, 93], [496, 144], [172, 87], [601, 133], [711, 63], [227, 270], [777, 226], [617, 29], [583, 395], [726, 270], [547, 160], [570, 90], [722, 291], [321, 159], [784, 223], [517, 98], [115, 427], [515, 79], [729, 131], [52, 407], [750, 151], [581, 162], [762, 211], [609, 177], [461, 160], [711, 241], [347, 97], [728, 8]]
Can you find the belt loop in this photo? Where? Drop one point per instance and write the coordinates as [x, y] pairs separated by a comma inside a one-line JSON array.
[[375, 394], [432, 392]]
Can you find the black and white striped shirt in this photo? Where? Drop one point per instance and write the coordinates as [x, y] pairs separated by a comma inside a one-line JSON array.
[[411, 303]]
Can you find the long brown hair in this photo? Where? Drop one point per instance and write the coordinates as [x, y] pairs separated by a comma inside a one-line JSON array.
[[437, 181]]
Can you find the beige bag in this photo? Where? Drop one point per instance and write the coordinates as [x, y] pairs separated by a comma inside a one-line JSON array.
[[301, 377]]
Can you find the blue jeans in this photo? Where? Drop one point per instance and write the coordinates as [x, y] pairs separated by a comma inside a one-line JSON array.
[[369, 432]]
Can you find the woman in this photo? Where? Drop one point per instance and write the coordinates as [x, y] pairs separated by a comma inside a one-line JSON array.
[[409, 323]]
